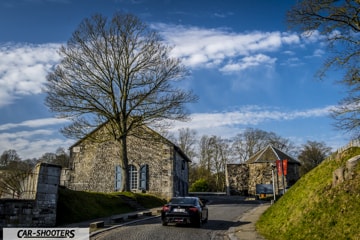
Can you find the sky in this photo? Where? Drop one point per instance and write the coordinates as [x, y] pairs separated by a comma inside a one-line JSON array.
[[247, 68]]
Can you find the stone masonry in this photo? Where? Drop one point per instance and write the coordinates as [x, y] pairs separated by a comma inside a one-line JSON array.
[[94, 164], [34, 212], [259, 169]]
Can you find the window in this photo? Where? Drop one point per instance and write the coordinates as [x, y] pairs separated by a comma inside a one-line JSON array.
[[133, 177], [144, 175], [117, 177]]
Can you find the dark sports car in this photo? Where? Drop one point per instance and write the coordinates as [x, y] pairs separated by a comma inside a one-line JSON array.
[[184, 210]]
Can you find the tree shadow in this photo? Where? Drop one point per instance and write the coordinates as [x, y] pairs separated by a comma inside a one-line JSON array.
[[222, 224], [210, 225]]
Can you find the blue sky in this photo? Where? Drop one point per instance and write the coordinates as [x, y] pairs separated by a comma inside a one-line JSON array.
[[247, 68]]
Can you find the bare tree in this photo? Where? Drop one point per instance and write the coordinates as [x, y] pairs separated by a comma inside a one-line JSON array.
[[48, 157], [187, 141], [62, 158], [248, 143], [116, 73], [221, 156], [339, 22], [213, 157], [14, 171], [13, 183], [9, 156], [252, 140], [205, 153], [312, 154]]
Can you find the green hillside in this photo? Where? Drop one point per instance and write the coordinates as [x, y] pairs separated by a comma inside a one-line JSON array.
[[314, 209]]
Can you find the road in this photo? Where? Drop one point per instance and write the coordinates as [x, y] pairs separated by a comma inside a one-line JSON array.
[[224, 212]]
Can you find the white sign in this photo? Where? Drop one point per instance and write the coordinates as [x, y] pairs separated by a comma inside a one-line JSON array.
[[46, 233]]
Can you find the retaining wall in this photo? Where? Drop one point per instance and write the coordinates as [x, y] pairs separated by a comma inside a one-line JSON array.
[[38, 212]]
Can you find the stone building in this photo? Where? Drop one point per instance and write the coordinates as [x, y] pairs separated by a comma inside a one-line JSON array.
[[156, 166], [260, 170]]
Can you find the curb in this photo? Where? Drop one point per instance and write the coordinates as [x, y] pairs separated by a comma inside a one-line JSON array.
[[121, 225], [248, 231]]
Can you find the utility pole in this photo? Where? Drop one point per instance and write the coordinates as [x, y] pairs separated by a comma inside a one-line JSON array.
[[273, 180]]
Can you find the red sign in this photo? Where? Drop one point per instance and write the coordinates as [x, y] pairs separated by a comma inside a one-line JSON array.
[[285, 163], [281, 166]]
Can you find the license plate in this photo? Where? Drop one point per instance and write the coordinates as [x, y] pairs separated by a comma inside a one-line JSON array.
[[179, 209]]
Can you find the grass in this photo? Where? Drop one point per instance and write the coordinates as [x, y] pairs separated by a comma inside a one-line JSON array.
[[77, 206], [314, 209]]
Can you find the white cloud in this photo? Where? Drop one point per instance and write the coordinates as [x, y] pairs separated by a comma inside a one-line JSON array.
[[23, 69], [249, 62], [34, 123], [248, 116], [32, 144], [312, 36], [199, 47]]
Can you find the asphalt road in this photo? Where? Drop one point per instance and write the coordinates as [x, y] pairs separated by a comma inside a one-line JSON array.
[[224, 212]]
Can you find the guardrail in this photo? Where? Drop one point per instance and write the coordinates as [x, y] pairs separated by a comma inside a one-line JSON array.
[[207, 193]]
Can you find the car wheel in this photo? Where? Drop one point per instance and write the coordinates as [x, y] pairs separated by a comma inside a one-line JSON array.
[[206, 219], [198, 222]]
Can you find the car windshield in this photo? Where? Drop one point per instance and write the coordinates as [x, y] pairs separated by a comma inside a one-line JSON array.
[[183, 201]]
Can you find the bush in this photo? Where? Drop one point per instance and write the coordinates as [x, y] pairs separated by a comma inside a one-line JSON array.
[[200, 185]]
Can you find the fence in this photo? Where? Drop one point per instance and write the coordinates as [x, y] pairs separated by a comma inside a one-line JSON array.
[[352, 143]]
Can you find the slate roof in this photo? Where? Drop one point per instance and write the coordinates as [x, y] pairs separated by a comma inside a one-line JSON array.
[[269, 155]]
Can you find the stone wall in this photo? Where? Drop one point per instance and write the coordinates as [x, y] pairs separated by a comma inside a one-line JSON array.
[[38, 212], [93, 166], [243, 178], [260, 173], [237, 177]]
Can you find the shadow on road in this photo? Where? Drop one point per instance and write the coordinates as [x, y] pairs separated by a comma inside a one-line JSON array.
[[212, 224]]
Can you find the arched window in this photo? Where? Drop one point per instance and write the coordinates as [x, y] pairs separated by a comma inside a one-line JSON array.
[[133, 177]]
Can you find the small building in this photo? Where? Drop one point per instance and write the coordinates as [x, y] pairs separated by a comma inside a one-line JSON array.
[[260, 170], [156, 165]]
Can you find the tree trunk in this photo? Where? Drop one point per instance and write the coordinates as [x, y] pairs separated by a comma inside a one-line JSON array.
[[124, 165]]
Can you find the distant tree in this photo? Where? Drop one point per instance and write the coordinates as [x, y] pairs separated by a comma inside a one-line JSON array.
[[62, 158], [196, 172], [339, 22], [15, 171], [31, 162], [117, 73], [311, 155], [213, 157], [251, 141], [187, 142], [9, 156], [248, 143], [12, 181], [48, 157]]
